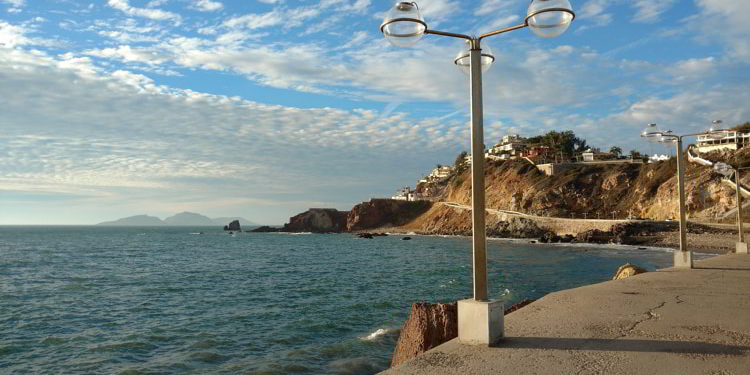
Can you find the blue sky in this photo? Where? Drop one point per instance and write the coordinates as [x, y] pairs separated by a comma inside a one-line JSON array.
[[263, 109]]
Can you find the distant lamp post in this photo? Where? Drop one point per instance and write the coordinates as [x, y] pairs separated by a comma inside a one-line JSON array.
[[727, 170], [682, 258], [480, 320]]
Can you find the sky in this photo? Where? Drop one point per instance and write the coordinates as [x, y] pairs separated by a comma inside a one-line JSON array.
[[262, 109]]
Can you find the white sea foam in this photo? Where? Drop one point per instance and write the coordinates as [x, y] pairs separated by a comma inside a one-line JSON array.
[[378, 333]]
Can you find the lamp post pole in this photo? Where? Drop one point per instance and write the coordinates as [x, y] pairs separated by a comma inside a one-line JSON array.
[[479, 231], [741, 235], [681, 198]]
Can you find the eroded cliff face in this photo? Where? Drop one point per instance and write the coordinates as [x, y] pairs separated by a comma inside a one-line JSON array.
[[627, 190], [379, 213], [318, 220]]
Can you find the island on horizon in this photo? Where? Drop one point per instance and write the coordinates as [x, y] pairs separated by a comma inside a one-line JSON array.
[[180, 219]]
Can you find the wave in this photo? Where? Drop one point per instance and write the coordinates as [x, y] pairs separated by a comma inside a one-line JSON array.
[[380, 332]]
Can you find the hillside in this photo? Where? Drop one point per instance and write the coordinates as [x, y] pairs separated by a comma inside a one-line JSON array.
[[134, 221], [605, 191], [189, 219], [181, 219]]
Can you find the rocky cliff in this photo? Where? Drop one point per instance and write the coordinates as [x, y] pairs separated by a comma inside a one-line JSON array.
[[429, 325], [625, 190], [318, 220], [379, 213]]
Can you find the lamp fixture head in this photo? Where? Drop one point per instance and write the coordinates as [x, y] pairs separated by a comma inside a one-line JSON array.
[[403, 25], [549, 18]]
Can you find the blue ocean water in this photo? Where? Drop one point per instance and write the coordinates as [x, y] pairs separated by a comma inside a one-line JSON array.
[[82, 300]]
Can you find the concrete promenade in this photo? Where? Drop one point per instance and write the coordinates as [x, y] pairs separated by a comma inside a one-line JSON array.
[[666, 322]]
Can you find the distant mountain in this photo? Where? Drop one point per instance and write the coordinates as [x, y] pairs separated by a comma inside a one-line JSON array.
[[189, 219], [138, 220], [226, 220]]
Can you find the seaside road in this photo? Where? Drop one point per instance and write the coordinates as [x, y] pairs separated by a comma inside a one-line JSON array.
[[688, 321], [559, 225]]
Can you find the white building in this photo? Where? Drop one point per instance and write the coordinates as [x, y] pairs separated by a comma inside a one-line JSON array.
[[733, 140], [511, 145], [405, 194], [656, 157], [441, 172]]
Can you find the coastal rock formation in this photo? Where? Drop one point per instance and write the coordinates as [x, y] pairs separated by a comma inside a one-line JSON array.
[[234, 225], [265, 229], [379, 213], [428, 326], [318, 220], [627, 270]]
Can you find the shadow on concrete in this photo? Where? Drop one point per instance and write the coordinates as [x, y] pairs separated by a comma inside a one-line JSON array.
[[622, 345]]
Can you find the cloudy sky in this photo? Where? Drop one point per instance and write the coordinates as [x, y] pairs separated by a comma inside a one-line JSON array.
[[264, 108]]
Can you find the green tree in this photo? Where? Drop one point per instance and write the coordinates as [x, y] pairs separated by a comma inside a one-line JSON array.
[[565, 142], [460, 158], [615, 150]]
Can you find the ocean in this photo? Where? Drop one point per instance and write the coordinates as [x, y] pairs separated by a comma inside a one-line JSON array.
[[176, 300]]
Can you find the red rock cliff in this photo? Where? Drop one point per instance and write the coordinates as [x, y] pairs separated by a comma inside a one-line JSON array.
[[384, 213], [428, 326]]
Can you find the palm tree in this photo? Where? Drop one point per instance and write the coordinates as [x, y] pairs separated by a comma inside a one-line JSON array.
[[615, 150]]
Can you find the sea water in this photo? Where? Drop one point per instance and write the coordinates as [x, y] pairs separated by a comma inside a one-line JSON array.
[[85, 300]]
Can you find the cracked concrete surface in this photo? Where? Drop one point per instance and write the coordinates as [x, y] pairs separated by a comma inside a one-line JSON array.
[[667, 322]]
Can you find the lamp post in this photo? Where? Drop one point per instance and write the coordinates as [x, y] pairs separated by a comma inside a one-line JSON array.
[[403, 26], [682, 258], [727, 170]]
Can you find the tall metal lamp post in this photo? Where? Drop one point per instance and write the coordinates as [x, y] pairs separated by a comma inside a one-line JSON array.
[[480, 321], [682, 258], [727, 170]]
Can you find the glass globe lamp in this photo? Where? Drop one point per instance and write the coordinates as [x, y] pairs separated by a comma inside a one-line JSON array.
[[549, 18], [403, 26], [715, 131], [652, 133], [463, 59]]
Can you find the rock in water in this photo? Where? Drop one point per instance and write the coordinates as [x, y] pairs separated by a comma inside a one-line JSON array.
[[627, 270], [234, 226], [429, 325], [265, 229]]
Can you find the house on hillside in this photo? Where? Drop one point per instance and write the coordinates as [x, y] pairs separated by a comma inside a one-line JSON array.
[[591, 155], [733, 140], [539, 153], [511, 147], [405, 194]]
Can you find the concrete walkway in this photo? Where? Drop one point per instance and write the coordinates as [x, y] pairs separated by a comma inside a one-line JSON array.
[[666, 322]]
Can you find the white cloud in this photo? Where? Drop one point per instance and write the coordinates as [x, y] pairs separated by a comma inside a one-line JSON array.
[[11, 35], [649, 11], [595, 11], [154, 14], [208, 5], [725, 21], [693, 69], [127, 138], [15, 5], [493, 6]]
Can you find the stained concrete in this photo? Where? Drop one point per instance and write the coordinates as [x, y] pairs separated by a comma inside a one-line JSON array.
[[673, 321]]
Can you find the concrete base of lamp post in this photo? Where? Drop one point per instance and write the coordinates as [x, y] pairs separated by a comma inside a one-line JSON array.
[[480, 322], [683, 259], [741, 248]]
